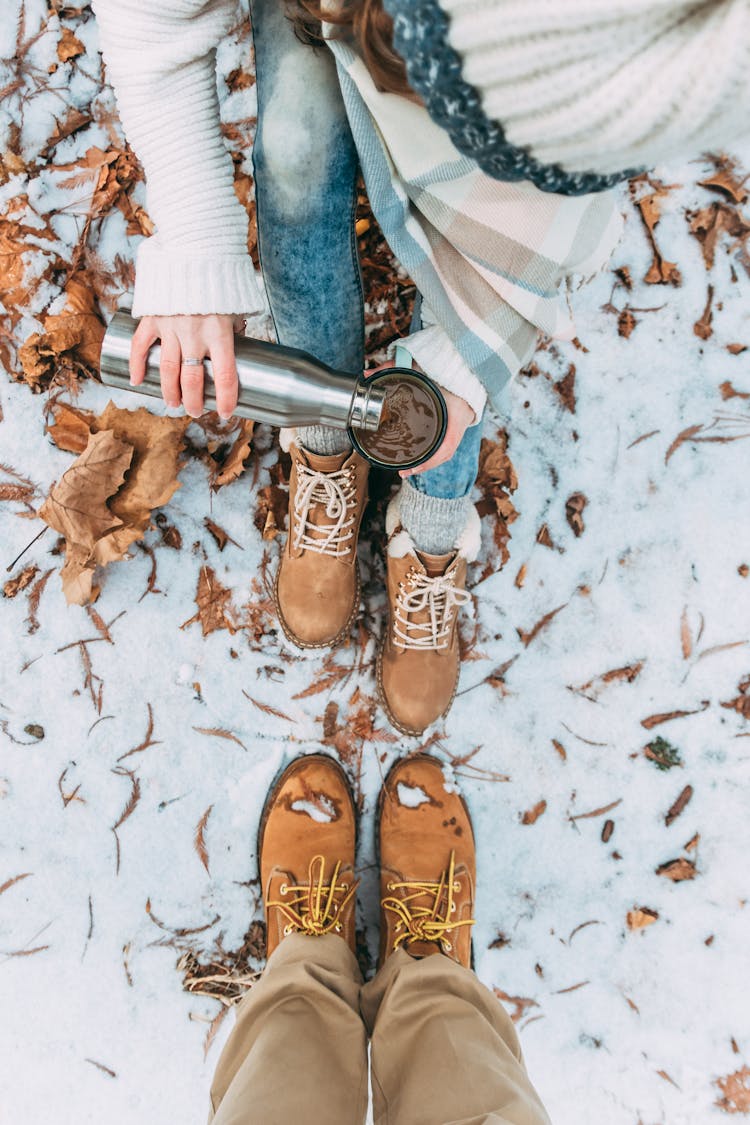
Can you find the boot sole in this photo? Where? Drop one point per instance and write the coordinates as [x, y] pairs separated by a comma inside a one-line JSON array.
[[411, 731], [342, 634], [381, 800]]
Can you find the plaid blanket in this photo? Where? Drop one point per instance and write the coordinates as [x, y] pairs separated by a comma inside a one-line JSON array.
[[488, 257]]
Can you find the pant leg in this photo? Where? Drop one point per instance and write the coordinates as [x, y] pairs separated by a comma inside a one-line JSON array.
[[306, 166], [444, 1051], [298, 1051]]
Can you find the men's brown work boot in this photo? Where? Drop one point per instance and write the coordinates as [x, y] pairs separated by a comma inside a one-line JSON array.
[[306, 847], [419, 657], [427, 863], [317, 585]]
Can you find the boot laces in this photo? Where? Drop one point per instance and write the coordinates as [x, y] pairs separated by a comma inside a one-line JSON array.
[[337, 492], [315, 907], [440, 596], [424, 910]]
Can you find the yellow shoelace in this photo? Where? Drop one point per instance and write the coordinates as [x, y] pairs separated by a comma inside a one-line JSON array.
[[430, 920], [314, 907]]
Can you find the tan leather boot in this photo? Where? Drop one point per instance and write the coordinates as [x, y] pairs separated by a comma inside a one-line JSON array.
[[427, 863], [317, 585], [306, 846], [419, 657]]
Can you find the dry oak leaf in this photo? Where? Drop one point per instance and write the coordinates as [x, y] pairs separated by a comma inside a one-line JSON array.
[[735, 1091], [640, 917], [214, 604], [77, 508], [728, 391]]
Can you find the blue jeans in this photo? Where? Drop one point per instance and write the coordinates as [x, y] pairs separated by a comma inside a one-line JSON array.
[[306, 165]]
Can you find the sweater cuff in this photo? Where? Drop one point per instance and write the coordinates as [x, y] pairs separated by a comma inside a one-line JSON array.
[[173, 284], [433, 351]]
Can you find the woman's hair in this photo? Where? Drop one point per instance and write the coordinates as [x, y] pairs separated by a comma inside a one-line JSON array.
[[367, 22]]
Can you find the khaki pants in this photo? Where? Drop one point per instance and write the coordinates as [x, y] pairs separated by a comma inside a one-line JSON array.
[[444, 1051]]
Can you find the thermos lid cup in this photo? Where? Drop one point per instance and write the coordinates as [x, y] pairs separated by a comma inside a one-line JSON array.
[[413, 423]]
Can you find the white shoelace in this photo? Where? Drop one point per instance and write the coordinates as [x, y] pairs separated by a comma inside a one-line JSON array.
[[440, 596], [338, 493]]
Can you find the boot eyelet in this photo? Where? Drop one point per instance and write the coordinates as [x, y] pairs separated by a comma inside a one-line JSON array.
[[453, 908], [283, 889], [448, 947], [456, 887], [288, 930]]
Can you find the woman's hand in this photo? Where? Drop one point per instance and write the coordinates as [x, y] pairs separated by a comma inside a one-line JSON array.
[[460, 417], [189, 337]]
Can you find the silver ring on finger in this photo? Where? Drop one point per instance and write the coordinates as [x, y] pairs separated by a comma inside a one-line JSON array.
[[192, 361]]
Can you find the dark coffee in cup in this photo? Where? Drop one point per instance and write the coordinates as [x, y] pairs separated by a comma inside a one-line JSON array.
[[412, 424]]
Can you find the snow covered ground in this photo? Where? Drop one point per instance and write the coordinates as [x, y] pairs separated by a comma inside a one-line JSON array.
[[629, 983]]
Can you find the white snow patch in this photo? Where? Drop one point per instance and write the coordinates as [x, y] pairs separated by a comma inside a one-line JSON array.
[[411, 796], [323, 811]]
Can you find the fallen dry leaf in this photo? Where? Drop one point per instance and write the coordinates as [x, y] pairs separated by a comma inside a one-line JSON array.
[[726, 179], [660, 272], [531, 816], [640, 917], [214, 604], [542, 623], [565, 389], [710, 223], [199, 840], [679, 805], [677, 870], [728, 391], [742, 703], [77, 508], [15, 585], [735, 1091], [232, 464], [69, 46], [497, 480]]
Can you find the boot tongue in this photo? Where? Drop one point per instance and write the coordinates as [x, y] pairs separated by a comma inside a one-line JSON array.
[[435, 565], [325, 462]]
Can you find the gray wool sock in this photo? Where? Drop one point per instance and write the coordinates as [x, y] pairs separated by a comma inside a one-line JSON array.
[[433, 523], [323, 440]]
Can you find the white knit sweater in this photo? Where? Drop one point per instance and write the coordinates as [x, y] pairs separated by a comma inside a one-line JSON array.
[[603, 85]]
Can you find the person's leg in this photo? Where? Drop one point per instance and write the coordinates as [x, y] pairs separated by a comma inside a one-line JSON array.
[[306, 165], [435, 505], [443, 1049], [298, 1051]]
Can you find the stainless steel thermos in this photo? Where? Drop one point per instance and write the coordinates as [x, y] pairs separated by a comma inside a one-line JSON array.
[[278, 385], [287, 387]]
